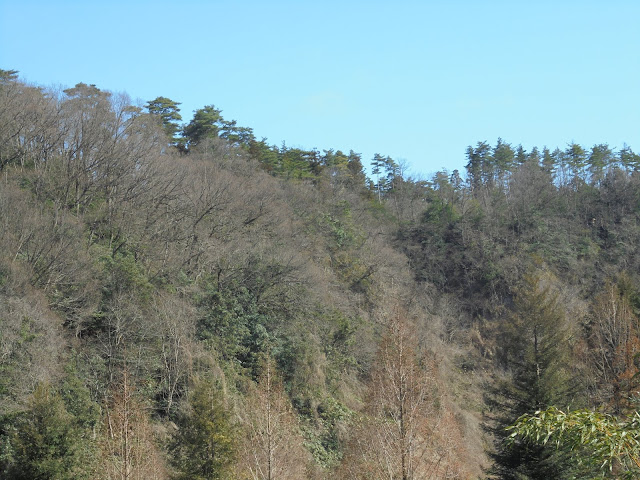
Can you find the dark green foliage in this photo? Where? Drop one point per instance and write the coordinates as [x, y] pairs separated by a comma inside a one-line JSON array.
[[575, 158], [325, 440], [443, 252], [386, 172], [124, 274], [628, 160], [169, 113], [8, 76], [504, 159], [339, 340], [534, 352], [297, 163], [600, 158], [565, 208], [204, 446], [55, 437], [206, 123], [440, 237], [267, 156], [480, 165], [178, 266], [234, 326], [294, 355], [236, 136], [78, 402]]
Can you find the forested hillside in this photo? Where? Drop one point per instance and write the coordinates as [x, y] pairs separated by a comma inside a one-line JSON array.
[[183, 300]]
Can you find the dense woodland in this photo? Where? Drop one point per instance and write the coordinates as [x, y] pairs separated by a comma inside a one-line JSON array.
[[182, 300]]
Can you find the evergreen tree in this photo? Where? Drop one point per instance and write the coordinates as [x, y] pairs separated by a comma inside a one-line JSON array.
[[534, 342], [354, 164], [548, 162], [600, 158], [576, 158], [534, 156], [7, 76], [480, 165], [628, 159], [522, 156], [503, 160], [206, 123], [169, 112], [236, 136], [47, 441], [204, 447], [386, 171]]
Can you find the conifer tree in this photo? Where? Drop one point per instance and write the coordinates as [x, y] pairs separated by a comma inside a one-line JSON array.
[[615, 346], [128, 448], [47, 441], [169, 113], [206, 123], [534, 345], [204, 447]]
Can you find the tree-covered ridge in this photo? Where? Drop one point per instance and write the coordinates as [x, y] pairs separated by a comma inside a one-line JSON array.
[[185, 301], [571, 217]]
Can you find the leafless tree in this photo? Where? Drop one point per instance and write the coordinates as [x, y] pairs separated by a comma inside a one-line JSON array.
[[128, 448], [273, 446], [396, 437], [615, 339]]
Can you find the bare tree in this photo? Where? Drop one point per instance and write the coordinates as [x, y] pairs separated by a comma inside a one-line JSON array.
[[29, 124], [128, 448], [273, 446], [615, 339], [396, 436], [176, 330]]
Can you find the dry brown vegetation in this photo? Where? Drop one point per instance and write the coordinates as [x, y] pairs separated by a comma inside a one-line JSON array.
[[274, 303]]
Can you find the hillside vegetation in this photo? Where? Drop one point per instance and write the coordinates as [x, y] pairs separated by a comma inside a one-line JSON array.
[[186, 301]]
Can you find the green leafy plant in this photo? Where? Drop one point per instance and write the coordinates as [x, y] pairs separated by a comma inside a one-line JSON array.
[[603, 439]]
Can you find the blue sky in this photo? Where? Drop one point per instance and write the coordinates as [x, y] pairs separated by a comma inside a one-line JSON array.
[[418, 81]]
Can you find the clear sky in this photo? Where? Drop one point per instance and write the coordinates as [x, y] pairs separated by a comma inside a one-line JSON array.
[[418, 81]]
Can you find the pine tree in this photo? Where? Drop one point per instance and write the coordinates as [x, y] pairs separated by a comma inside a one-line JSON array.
[[206, 123], [169, 113]]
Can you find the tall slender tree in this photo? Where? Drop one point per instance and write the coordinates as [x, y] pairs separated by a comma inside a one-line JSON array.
[[204, 447], [534, 344], [395, 434], [128, 448], [615, 346], [273, 445]]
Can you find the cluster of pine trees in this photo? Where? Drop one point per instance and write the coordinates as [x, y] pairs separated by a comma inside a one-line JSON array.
[[186, 301]]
